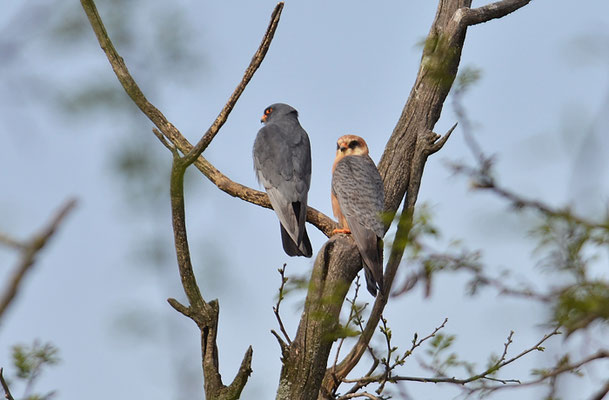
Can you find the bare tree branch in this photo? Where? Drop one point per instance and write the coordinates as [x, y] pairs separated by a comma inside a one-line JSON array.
[[499, 9], [204, 314], [486, 374], [600, 395], [336, 374], [7, 392], [483, 180], [279, 299], [29, 251], [249, 73], [552, 374], [10, 242], [363, 395]]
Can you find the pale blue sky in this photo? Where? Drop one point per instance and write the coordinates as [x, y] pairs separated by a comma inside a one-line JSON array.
[[348, 68]]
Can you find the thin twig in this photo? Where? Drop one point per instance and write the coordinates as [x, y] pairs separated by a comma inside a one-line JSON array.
[[29, 251], [284, 280], [600, 395], [257, 59], [7, 392], [397, 251], [10, 242], [483, 375], [474, 16], [360, 395], [416, 342], [354, 312], [554, 373]]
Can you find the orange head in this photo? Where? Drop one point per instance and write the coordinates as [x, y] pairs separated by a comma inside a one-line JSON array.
[[351, 145]]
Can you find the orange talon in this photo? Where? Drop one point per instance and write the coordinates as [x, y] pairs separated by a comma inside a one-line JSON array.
[[341, 230]]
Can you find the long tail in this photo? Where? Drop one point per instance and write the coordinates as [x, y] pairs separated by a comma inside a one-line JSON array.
[[291, 248]]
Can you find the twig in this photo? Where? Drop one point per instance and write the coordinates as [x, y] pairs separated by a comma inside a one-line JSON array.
[[600, 395], [506, 346], [29, 251], [359, 394], [7, 392], [484, 181], [162, 139], [474, 16], [354, 312], [249, 73], [284, 280], [416, 342], [397, 250], [502, 362], [554, 373], [10, 242]]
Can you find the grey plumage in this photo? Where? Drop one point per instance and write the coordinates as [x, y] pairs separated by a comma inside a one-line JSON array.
[[282, 161], [358, 187]]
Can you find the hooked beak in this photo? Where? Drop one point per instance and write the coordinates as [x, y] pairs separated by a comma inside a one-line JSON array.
[[263, 119]]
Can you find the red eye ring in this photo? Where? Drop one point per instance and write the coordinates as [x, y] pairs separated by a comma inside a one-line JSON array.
[[268, 111]]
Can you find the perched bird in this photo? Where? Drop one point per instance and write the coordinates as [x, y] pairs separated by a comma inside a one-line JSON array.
[[357, 202], [282, 161]]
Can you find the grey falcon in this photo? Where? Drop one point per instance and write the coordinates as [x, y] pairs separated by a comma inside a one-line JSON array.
[[357, 202], [282, 161]]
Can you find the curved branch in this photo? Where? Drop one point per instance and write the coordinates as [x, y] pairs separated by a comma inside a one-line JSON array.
[[249, 73], [29, 251], [204, 314], [7, 391], [499, 9], [318, 219]]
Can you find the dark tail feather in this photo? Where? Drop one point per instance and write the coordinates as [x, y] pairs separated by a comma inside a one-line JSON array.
[[291, 249], [370, 282], [305, 245]]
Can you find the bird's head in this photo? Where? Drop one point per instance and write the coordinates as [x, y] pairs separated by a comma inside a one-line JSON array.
[[277, 110], [351, 145]]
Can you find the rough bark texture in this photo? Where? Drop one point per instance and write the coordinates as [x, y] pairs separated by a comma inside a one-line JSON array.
[[304, 361]]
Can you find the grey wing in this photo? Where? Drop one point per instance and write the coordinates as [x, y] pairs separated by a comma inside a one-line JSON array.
[[282, 161], [358, 187]]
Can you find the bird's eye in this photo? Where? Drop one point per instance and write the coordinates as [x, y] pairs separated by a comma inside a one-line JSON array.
[[268, 111], [353, 144]]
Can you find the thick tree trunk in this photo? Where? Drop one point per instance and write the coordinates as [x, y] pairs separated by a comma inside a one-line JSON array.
[[304, 361]]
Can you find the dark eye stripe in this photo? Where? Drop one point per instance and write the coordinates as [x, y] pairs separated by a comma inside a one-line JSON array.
[[353, 144]]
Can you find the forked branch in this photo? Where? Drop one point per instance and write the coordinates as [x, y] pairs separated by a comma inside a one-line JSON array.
[[7, 391], [29, 250], [204, 314], [318, 219]]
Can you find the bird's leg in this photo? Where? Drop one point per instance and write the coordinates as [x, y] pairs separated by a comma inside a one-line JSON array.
[[341, 230]]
